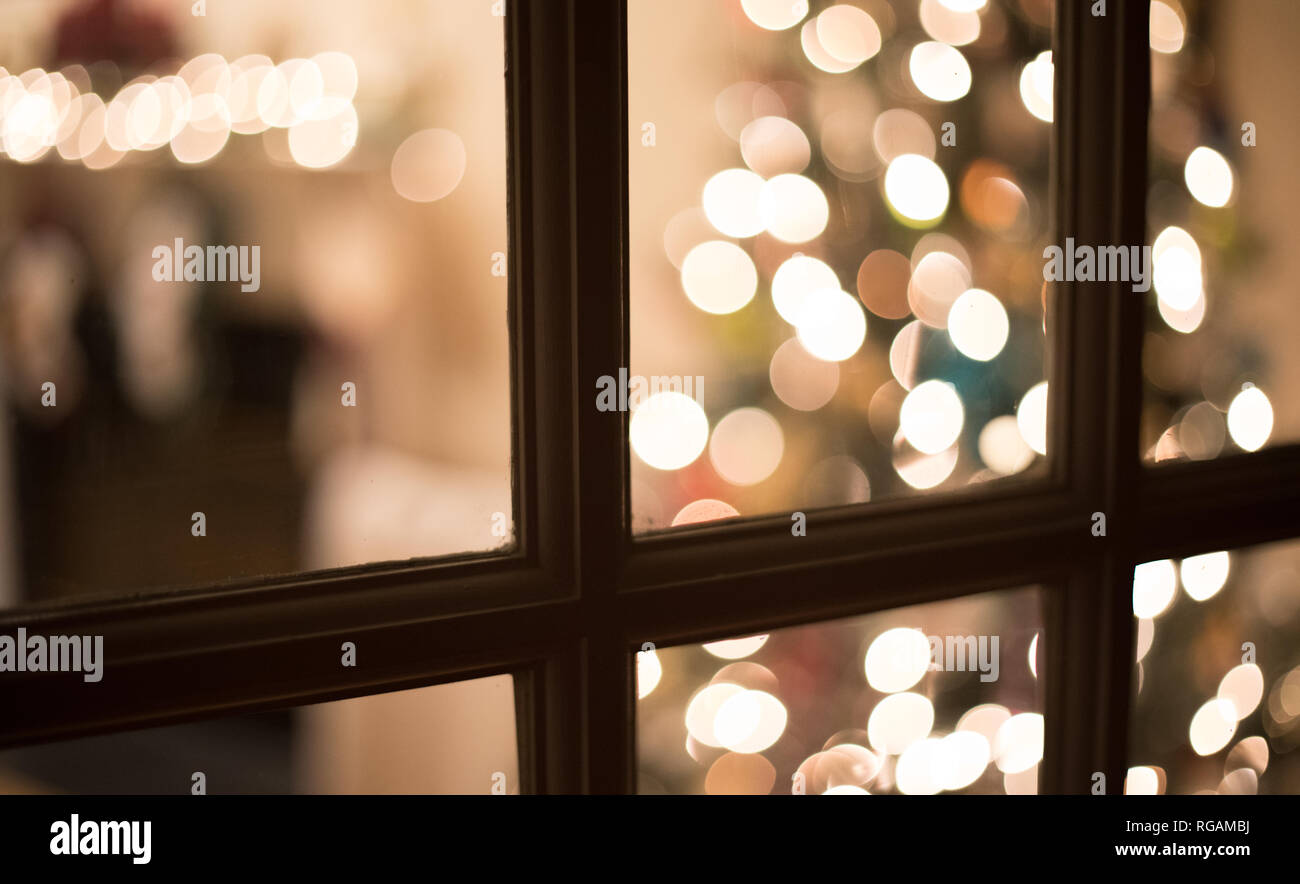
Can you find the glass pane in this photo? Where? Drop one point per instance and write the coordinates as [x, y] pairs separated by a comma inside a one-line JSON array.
[[1220, 362], [252, 290], [1218, 674], [837, 224], [455, 738], [937, 697]]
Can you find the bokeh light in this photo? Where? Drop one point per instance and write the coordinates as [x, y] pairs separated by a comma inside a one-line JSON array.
[[916, 188], [668, 431], [746, 447], [940, 71], [831, 325], [1209, 177], [719, 277]]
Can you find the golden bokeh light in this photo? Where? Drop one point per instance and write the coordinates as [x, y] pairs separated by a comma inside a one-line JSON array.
[[1167, 25], [848, 34], [920, 470], [774, 146], [746, 446], [704, 510], [818, 55], [801, 380], [1002, 448], [947, 25], [738, 773], [428, 165], [883, 278], [900, 131]]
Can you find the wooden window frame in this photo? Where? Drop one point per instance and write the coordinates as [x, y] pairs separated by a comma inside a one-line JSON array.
[[566, 610]]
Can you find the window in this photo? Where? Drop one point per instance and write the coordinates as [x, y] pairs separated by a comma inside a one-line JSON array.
[[1217, 677], [246, 329], [376, 744], [1217, 352], [585, 586], [951, 701]]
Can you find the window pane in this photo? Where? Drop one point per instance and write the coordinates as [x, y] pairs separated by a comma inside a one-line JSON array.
[[455, 738], [1218, 674], [837, 225], [1220, 359], [252, 290], [937, 697]]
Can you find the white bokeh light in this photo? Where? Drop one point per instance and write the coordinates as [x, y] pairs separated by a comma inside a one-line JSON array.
[[917, 768], [961, 759], [1243, 687], [1212, 726], [796, 278], [897, 659], [931, 416], [898, 721], [1018, 744], [978, 325], [916, 187], [1250, 418], [730, 203], [940, 71], [1031, 417], [702, 711], [668, 431], [1178, 280], [1208, 177], [749, 721], [775, 15], [1036, 85], [735, 648], [1204, 575], [793, 208], [1154, 586], [719, 277], [648, 673], [1142, 781], [832, 325]]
